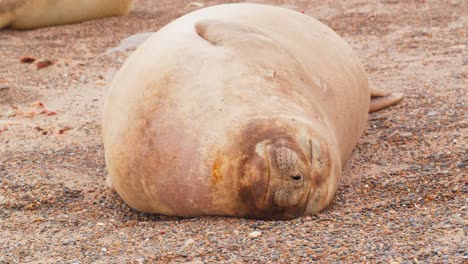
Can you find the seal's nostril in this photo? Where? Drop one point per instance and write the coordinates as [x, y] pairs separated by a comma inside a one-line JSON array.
[[296, 177]]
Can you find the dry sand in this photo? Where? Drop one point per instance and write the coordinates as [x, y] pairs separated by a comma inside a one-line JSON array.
[[403, 197]]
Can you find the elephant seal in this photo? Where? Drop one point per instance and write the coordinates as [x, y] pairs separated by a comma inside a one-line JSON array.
[[240, 110], [29, 14]]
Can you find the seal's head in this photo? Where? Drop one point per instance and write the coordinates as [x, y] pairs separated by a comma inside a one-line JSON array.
[[284, 171]]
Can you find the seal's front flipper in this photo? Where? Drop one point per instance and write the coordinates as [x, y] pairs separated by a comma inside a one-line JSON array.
[[380, 99]]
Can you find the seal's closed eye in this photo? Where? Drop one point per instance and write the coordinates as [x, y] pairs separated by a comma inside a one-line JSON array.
[[296, 177]]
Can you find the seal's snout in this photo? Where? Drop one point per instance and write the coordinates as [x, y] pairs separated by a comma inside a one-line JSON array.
[[284, 167], [289, 177]]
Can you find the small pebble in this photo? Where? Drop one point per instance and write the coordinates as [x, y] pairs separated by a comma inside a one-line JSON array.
[[189, 242], [406, 134], [255, 234]]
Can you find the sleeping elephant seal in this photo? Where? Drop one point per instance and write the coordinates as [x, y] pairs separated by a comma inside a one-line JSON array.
[[28, 14], [241, 110]]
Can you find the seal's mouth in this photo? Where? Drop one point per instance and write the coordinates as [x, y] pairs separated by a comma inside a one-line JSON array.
[[306, 204], [324, 177]]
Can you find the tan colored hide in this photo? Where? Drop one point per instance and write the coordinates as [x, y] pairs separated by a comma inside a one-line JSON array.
[[240, 109], [29, 14]]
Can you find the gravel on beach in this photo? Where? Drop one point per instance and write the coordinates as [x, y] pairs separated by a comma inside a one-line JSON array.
[[402, 198]]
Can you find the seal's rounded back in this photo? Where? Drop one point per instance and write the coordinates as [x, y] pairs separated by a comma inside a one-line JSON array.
[[239, 109]]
